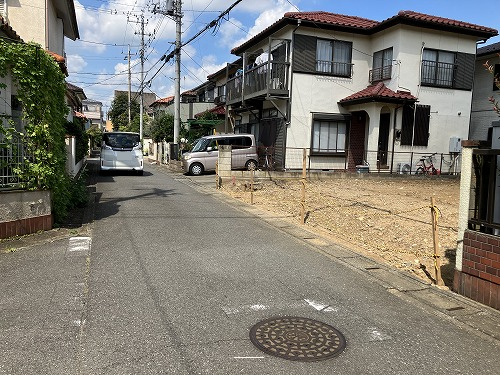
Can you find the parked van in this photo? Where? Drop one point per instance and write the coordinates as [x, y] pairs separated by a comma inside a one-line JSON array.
[[121, 151], [204, 155]]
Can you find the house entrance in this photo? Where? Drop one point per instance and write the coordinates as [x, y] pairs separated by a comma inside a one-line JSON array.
[[383, 140]]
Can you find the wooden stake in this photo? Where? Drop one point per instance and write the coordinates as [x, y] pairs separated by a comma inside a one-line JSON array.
[[437, 257], [252, 172], [303, 189]]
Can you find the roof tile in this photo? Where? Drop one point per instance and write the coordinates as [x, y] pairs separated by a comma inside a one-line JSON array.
[[378, 92]]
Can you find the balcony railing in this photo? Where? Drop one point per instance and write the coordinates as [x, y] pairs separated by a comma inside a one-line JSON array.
[[380, 74], [270, 78], [437, 73]]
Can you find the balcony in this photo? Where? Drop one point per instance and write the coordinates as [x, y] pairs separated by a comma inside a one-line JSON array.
[[380, 74], [264, 80]]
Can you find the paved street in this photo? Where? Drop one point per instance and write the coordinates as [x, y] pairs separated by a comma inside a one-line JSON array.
[[173, 275]]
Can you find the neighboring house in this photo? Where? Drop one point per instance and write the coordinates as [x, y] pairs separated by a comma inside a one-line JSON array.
[[350, 89], [45, 22], [8, 103], [149, 98], [92, 109], [74, 98], [192, 102], [484, 87]]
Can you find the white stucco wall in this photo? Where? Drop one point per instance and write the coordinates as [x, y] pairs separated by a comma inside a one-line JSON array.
[[450, 108]]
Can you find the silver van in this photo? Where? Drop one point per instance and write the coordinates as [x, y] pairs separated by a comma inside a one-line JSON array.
[[204, 155]]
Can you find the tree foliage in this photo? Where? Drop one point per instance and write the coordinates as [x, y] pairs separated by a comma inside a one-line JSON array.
[[162, 128], [40, 87], [118, 112]]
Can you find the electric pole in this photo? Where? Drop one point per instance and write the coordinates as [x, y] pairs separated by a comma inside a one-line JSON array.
[[129, 89], [141, 92], [177, 98]]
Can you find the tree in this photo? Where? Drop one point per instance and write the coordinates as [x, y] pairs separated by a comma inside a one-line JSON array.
[[118, 112], [162, 128]]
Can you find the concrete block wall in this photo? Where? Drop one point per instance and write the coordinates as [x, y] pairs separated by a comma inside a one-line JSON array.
[[24, 212]]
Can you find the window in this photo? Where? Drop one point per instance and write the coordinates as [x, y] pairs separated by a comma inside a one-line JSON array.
[[329, 136], [382, 65], [329, 57], [333, 57], [496, 74], [437, 68], [415, 125], [447, 69]]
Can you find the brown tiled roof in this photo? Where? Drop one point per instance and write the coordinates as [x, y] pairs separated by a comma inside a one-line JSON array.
[[167, 100], [422, 19], [332, 18], [327, 21], [219, 110], [59, 60], [8, 30], [378, 93], [80, 115]]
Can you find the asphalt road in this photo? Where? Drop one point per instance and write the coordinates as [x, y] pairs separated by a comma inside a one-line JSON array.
[[176, 275]]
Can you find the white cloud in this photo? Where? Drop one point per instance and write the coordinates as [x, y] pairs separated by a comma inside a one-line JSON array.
[[76, 63]]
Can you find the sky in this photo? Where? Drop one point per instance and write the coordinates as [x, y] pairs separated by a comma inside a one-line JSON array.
[[98, 60]]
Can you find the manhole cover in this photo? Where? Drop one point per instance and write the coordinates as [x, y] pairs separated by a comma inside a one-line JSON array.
[[297, 339]]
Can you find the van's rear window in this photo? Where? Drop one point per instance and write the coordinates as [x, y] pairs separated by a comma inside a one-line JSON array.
[[121, 140]]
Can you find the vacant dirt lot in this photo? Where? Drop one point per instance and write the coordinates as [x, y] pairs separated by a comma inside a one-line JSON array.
[[385, 218]]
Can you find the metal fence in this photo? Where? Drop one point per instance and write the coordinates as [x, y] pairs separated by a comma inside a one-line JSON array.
[[13, 157], [408, 162]]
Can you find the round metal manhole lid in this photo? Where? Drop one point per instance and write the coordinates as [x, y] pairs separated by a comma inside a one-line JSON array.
[[297, 339]]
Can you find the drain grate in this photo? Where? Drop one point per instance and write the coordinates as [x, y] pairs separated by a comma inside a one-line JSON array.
[[297, 339]]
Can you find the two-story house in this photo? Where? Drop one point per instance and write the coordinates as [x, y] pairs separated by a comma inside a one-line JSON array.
[[350, 89], [92, 109], [484, 88]]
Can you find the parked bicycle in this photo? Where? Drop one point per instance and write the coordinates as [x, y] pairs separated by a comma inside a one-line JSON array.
[[426, 166]]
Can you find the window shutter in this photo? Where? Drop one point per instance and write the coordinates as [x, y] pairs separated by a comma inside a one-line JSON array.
[[464, 75], [422, 119], [407, 126], [304, 54], [2, 8]]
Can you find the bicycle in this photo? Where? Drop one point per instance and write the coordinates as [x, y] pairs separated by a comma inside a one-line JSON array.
[[426, 166], [268, 162]]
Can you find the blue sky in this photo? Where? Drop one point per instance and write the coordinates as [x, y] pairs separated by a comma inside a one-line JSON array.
[[97, 62]]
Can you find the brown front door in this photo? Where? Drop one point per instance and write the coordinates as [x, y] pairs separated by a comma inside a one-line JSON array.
[[383, 139], [357, 140]]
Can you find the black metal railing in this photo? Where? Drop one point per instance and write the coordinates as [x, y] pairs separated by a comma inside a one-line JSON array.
[[483, 216], [13, 158], [267, 78], [380, 74], [437, 73]]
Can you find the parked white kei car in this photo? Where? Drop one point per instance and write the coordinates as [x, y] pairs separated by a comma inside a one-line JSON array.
[[121, 151]]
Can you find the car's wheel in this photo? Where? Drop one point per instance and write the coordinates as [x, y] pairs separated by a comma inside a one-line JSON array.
[[251, 165], [196, 169], [419, 170]]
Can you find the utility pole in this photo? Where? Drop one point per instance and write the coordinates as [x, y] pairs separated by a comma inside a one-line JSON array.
[[174, 10], [141, 92], [177, 97], [129, 90]]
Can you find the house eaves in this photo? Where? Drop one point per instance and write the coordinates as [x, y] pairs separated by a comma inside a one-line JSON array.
[[411, 18], [319, 19], [364, 26], [379, 93], [8, 30], [488, 50], [65, 9]]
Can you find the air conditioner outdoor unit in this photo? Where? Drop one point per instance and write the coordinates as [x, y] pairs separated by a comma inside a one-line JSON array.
[[404, 168]]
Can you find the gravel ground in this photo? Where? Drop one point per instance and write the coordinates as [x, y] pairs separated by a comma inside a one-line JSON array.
[[386, 218]]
